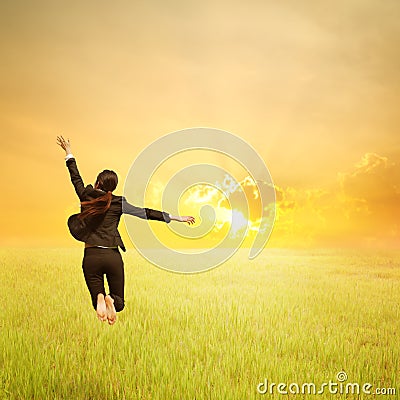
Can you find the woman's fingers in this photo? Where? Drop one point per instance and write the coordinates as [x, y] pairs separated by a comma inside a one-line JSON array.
[[190, 220], [62, 142]]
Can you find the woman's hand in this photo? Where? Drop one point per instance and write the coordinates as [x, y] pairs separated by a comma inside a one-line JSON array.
[[190, 220], [64, 144]]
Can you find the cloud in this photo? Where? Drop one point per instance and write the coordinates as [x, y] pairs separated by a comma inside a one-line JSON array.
[[373, 178], [371, 195], [360, 209]]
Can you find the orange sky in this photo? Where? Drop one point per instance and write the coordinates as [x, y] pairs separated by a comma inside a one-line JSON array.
[[314, 87]]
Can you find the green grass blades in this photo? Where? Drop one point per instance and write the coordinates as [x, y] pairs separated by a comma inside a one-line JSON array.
[[287, 316]]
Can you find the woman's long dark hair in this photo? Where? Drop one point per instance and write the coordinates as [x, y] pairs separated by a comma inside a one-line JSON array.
[[107, 181]]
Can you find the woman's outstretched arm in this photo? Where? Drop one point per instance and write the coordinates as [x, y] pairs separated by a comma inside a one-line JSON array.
[[76, 178], [148, 213]]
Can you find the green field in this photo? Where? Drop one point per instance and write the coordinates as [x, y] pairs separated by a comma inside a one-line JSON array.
[[287, 316]]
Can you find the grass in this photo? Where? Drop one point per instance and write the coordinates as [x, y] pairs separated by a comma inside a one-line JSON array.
[[286, 316]]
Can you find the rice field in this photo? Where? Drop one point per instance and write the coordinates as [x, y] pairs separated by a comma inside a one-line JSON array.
[[286, 317]]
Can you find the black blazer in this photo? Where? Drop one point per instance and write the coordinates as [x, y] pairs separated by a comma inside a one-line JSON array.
[[102, 230]]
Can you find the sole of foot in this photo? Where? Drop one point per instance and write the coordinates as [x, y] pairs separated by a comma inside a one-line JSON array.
[[111, 313], [101, 309]]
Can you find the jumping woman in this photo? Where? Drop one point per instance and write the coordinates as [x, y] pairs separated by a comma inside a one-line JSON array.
[[97, 226]]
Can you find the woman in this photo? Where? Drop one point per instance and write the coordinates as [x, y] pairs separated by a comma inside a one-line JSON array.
[[97, 226]]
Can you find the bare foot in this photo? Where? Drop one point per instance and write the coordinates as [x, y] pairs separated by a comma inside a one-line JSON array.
[[101, 309], [111, 313]]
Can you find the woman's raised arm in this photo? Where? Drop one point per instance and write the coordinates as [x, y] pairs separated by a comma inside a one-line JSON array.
[[76, 178]]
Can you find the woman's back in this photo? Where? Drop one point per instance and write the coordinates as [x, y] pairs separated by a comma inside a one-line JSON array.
[[102, 229]]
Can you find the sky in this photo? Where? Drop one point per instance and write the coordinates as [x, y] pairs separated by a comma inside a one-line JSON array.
[[313, 86]]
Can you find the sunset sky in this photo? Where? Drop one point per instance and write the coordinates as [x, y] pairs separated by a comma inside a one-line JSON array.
[[313, 86]]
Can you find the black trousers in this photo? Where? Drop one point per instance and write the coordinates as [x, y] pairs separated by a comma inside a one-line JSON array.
[[98, 262]]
